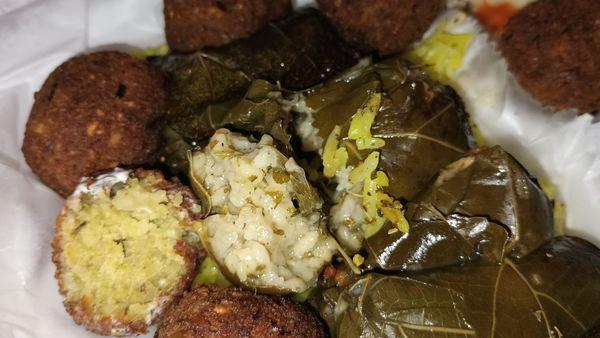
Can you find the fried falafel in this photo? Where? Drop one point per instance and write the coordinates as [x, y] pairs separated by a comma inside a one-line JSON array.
[[214, 312], [553, 49], [94, 112], [126, 245], [191, 25], [385, 26]]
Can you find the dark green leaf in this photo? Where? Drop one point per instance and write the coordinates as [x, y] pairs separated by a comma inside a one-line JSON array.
[[198, 188], [553, 292], [175, 152], [196, 128], [435, 243], [193, 81], [258, 111], [306, 196], [491, 183], [484, 204]]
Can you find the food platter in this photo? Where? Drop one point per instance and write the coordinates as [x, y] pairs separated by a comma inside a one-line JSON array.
[[561, 149]]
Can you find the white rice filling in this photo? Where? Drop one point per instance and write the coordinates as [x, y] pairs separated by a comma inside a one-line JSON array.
[[348, 215], [256, 230], [309, 134]]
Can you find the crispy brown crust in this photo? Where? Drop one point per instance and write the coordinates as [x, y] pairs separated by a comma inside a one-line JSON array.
[[385, 26], [191, 25], [553, 49], [93, 112], [214, 312], [82, 312]]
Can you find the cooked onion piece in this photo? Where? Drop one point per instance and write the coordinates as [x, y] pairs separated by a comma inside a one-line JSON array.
[[266, 226]]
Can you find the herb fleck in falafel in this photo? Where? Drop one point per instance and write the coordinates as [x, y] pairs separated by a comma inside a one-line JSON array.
[[386, 26], [214, 312], [553, 49], [93, 113], [126, 244]]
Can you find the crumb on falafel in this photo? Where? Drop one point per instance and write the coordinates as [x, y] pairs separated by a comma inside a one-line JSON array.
[[126, 245], [191, 25], [94, 112], [214, 312], [553, 49], [385, 26]]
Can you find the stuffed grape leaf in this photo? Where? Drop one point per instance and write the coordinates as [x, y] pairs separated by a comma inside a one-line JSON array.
[[422, 122], [553, 292], [299, 51], [482, 205], [258, 111]]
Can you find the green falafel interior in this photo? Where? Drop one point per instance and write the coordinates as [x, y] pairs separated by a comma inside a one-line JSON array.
[[122, 249], [266, 228]]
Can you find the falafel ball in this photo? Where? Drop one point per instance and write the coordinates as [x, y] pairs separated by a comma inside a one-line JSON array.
[[385, 26], [214, 312], [126, 244], [93, 113], [553, 49], [191, 25]]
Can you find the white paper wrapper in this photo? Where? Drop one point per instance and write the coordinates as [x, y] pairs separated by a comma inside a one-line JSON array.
[[561, 148], [39, 35], [36, 37]]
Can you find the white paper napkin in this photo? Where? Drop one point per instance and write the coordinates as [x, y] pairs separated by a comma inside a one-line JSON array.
[[37, 36]]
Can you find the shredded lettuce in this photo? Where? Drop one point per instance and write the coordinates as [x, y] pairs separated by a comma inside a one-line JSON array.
[[362, 120], [370, 189], [392, 211], [558, 208], [364, 170], [441, 53], [334, 158], [143, 53], [378, 205], [477, 134]]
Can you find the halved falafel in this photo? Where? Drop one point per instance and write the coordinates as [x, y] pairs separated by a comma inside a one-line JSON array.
[[214, 312], [385, 26], [126, 245], [94, 112], [553, 49], [191, 25]]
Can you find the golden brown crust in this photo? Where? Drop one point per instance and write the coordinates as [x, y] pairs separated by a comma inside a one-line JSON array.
[[553, 49], [385, 26], [82, 312], [191, 25], [214, 312], [93, 112]]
